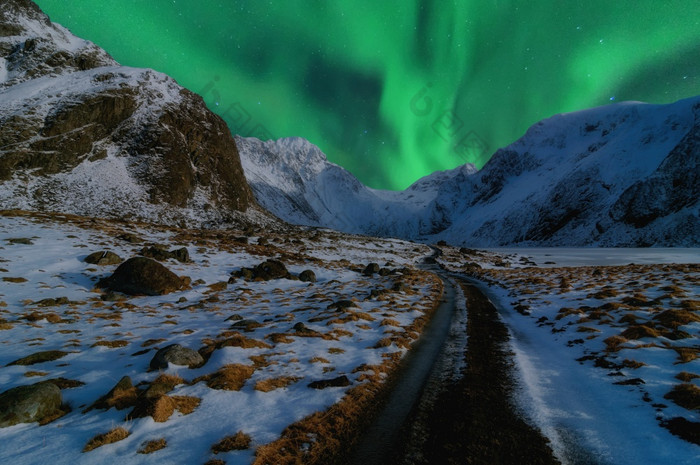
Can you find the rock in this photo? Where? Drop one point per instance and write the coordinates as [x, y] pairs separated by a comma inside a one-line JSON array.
[[340, 381], [103, 258], [161, 254], [177, 355], [27, 404], [271, 269], [371, 269], [307, 276], [143, 276], [121, 396], [20, 240]]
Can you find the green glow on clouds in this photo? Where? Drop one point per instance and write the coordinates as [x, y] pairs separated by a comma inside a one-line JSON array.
[[397, 89]]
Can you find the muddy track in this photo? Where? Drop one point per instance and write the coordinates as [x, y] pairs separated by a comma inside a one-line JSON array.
[[472, 420]]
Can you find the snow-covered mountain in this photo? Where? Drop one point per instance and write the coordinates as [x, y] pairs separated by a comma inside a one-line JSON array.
[[625, 174], [293, 179], [81, 134]]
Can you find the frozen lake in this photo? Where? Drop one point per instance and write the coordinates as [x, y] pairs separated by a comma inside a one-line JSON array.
[[563, 256]]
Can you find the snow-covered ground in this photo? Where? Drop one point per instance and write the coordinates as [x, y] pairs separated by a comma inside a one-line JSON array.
[[107, 340], [598, 349]]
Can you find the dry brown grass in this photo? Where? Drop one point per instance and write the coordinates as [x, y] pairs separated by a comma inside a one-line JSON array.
[[111, 344], [280, 338], [319, 360], [686, 395], [687, 377], [154, 445], [239, 441], [336, 350], [259, 361], [115, 435], [675, 318], [168, 380], [271, 384], [229, 377], [686, 354], [151, 342], [186, 404], [640, 332], [613, 343]]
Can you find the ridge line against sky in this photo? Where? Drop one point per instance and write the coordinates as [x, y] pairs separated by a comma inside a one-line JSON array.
[[396, 90]]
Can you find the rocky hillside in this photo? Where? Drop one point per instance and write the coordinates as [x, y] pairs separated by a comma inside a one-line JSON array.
[[81, 134], [620, 175]]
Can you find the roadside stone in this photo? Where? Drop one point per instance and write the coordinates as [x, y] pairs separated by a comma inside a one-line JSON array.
[[27, 404], [143, 276], [177, 355], [103, 258]]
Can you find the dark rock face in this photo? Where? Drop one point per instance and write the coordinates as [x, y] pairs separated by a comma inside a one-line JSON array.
[[177, 355], [103, 258], [143, 276], [173, 152], [27, 404], [673, 186]]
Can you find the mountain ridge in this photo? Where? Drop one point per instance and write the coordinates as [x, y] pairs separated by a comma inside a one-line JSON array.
[[624, 174]]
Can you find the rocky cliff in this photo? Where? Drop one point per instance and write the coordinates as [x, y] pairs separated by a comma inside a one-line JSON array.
[[81, 134]]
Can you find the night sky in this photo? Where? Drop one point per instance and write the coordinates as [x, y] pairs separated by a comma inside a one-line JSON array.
[[393, 90]]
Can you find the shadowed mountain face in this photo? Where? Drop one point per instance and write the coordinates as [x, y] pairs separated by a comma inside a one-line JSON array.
[[81, 134], [621, 175]]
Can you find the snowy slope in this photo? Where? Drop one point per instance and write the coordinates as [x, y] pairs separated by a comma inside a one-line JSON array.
[[620, 175]]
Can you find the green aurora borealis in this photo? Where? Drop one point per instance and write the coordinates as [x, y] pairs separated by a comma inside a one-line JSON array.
[[394, 90]]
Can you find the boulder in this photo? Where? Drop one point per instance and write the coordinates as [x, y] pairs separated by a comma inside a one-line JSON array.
[[103, 258], [27, 404], [271, 269], [307, 276], [371, 269], [143, 276], [177, 355]]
